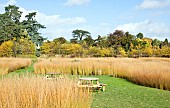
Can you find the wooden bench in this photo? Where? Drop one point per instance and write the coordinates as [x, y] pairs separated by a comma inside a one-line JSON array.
[[103, 86]]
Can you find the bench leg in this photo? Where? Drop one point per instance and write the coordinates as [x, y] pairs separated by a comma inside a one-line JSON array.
[[103, 88]]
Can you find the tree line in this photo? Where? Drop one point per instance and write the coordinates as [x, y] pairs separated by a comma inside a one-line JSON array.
[[19, 38], [116, 44]]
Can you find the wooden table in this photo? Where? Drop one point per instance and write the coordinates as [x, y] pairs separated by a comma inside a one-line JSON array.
[[89, 83]]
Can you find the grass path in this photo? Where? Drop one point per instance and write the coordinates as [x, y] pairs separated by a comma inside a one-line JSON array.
[[123, 94], [27, 70]]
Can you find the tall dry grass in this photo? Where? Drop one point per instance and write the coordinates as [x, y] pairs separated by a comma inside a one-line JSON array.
[[36, 92], [155, 59], [11, 64], [78, 66], [153, 72]]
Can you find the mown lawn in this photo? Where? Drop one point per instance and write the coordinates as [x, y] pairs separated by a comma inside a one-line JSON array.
[[123, 94]]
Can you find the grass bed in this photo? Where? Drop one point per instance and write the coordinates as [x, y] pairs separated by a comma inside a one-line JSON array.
[[38, 92], [8, 65]]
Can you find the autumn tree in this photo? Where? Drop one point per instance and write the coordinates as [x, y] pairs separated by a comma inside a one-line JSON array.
[[47, 48], [57, 44], [6, 49], [24, 49], [74, 50]]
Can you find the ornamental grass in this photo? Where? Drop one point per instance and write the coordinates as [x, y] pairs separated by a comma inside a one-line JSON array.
[[37, 92], [11, 64]]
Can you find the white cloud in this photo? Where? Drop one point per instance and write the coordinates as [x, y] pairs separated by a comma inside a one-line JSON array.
[[11, 2], [151, 4], [55, 25], [53, 20], [57, 20], [101, 29], [76, 2], [25, 12], [148, 28], [160, 13]]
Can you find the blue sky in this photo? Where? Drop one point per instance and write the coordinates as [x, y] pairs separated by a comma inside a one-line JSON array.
[[99, 17]]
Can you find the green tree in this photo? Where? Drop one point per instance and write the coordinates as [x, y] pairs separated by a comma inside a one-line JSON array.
[[126, 40], [165, 43], [140, 35], [156, 43], [60, 40], [89, 41], [12, 27], [6, 26], [120, 39], [155, 46], [79, 35], [32, 27], [114, 38], [101, 41]]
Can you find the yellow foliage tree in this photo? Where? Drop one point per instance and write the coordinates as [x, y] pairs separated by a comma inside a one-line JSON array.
[[165, 51], [148, 51], [72, 49], [48, 48], [26, 46], [122, 51], [6, 49], [99, 52]]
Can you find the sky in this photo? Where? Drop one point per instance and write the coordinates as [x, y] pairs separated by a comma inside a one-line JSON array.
[[99, 17]]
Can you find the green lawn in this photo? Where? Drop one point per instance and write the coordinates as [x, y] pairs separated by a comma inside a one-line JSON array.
[[123, 94]]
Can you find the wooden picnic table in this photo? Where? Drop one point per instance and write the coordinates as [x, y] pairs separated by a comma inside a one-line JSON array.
[[90, 83]]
